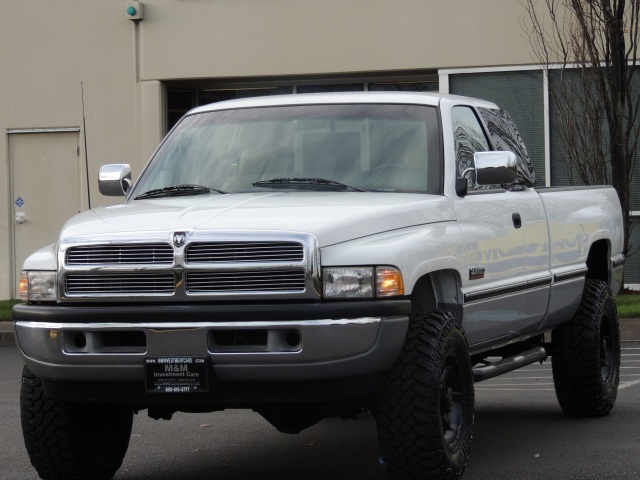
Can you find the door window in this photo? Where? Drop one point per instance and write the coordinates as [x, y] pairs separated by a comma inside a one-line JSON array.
[[468, 138]]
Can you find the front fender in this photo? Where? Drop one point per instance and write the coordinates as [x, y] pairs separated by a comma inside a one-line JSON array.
[[416, 251]]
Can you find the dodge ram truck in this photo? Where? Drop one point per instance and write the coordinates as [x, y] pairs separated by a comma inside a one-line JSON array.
[[319, 255]]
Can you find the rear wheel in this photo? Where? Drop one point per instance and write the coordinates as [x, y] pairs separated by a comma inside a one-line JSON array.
[[586, 355], [425, 411], [72, 441]]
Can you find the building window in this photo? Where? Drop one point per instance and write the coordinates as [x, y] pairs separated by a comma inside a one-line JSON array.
[[179, 102], [219, 95], [341, 87], [431, 86], [182, 97], [520, 94]]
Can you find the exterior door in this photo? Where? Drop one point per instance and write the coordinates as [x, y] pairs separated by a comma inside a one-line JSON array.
[[494, 266], [45, 189]]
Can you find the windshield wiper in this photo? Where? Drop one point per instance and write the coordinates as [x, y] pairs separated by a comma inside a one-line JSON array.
[[305, 183], [177, 191]]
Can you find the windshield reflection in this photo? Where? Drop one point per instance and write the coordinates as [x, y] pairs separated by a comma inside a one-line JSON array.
[[374, 147]]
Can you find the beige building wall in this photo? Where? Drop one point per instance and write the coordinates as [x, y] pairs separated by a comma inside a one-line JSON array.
[[48, 48], [281, 37]]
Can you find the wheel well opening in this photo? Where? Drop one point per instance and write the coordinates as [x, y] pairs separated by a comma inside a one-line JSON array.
[[598, 261], [439, 290]]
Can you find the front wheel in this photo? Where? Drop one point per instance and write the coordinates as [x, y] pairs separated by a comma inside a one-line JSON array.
[[69, 441], [586, 355], [425, 411]]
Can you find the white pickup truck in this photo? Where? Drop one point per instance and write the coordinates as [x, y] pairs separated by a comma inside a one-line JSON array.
[[315, 255]]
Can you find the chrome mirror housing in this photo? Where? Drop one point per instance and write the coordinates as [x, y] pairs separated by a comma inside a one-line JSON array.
[[114, 180], [495, 168]]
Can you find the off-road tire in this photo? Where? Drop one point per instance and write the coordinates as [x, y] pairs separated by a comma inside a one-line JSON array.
[[67, 441], [425, 411], [586, 355]]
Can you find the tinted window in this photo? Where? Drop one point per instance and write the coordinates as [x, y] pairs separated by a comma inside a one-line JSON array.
[[505, 137]]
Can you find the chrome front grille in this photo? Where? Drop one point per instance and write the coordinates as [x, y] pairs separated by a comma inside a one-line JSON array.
[[209, 266], [120, 283], [124, 254], [231, 252], [246, 281]]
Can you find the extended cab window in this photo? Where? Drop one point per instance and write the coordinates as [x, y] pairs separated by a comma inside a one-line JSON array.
[[468, 137], [373, 147], [505, 136]]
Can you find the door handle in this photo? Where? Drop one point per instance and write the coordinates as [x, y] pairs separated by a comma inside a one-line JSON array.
[[20, 218], [517, 221]]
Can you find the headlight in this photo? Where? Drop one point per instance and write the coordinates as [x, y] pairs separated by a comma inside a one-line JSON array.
[[348, 282], [38, 286], [362, 282]]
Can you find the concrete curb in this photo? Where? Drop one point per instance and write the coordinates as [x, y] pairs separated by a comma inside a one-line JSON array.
[[7, 335], [629, 331]]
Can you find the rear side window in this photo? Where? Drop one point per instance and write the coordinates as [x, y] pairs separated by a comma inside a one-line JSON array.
[[504, 136]]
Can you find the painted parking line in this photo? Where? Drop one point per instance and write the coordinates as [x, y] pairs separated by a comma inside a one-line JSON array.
[[628, 384], [630, 368]]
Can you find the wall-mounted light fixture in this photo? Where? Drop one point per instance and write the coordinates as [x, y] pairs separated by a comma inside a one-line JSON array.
[[134, 10]]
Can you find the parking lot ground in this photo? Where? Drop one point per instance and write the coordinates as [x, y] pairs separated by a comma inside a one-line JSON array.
[[520, 433]]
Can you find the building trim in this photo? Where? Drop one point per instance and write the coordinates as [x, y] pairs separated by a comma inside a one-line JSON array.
[[443, 82], [516, 68], [42, 130], [547, 128], [510, 68]]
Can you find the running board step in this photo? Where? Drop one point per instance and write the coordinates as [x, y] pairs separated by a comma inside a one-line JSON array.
[[509, 364]]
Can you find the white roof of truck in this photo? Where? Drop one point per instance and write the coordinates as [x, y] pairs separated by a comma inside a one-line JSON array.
[[414, 98]]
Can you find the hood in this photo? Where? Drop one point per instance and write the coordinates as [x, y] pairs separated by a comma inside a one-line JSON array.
[[333, 217]]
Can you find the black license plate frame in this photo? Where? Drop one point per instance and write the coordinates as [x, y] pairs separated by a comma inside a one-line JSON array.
[[176, 374]]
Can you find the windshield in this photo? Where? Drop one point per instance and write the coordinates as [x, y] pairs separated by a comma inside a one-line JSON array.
[[372, 147]]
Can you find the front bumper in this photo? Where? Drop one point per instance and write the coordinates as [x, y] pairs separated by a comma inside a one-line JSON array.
[[244, 343]]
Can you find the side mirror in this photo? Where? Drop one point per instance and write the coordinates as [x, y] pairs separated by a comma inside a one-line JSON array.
[[114, 180], [495, 168]]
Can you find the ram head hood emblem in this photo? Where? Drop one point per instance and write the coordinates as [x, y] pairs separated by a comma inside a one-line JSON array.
[[178, 239]]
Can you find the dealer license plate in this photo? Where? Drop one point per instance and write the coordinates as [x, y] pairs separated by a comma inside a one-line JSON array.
[[176, 374]]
